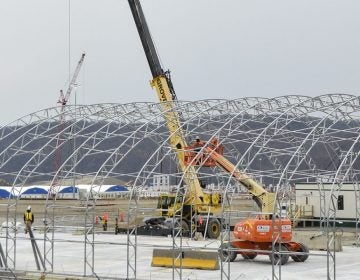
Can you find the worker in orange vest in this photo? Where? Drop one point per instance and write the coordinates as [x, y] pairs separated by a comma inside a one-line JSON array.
[[201, 221], [28, 219], [121, 216]]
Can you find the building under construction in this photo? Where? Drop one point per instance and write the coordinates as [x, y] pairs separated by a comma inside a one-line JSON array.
[[280, 142], [206, 182]]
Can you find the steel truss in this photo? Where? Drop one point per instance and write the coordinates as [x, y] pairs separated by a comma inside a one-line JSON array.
[[274, 140]]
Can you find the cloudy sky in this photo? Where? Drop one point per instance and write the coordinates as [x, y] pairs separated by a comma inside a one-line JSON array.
[[214, 49]]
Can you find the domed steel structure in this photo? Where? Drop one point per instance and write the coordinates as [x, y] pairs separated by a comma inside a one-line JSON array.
[[279, 141]]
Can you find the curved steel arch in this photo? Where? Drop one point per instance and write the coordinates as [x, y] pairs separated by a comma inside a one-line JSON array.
[[219, 117]]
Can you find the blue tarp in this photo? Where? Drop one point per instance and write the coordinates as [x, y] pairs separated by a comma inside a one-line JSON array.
[[4, 194], [70, 189], [117, 189], [35, 190]]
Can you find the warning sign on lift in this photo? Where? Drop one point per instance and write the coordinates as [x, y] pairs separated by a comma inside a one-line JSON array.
[[263, 228], [286, 228]]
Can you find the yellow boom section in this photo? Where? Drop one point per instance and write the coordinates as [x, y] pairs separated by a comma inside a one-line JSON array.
[[263, 198], [194, 193]]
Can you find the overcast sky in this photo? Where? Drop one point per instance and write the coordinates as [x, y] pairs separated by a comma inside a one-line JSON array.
[[214, 49]]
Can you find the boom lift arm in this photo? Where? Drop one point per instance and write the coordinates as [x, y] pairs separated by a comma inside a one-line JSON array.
[[251, 230], [253, 233], [263, 198], [211, 154], [166, 95]]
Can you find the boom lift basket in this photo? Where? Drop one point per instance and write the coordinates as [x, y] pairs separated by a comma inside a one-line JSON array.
[[198, 153]]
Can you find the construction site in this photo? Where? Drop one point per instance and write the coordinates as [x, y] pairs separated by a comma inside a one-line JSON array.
[[247, 188]]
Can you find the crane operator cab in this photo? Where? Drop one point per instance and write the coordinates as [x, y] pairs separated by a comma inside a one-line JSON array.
[[200, 153], [168, 203]]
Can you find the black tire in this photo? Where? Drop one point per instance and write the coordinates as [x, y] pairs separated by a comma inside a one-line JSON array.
[[249, 255], [185, 228], [227, 253], [213, 229], [277, 258], [303, 257]]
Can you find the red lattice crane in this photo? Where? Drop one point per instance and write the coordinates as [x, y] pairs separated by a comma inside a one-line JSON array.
[[63, 99]]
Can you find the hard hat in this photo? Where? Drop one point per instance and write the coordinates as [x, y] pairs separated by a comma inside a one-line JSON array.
[[197, 138], [29, 207]]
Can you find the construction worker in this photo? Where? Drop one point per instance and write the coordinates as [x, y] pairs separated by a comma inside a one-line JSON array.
[[197, 144], [197, 148], [104, 220], [28, 219]]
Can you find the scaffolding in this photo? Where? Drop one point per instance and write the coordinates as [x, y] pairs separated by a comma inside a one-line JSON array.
[[278, 141]]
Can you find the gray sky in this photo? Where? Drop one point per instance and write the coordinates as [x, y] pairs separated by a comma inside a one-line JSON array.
[[214, 48]]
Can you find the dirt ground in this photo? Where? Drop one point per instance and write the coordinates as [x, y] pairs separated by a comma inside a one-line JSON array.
[[72, 212]]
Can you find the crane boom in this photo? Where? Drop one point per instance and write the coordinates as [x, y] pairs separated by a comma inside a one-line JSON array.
[[64, 99], [166, 95], [252, 233]]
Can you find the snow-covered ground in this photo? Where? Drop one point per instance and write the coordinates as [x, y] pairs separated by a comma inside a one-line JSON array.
[[111, 259]]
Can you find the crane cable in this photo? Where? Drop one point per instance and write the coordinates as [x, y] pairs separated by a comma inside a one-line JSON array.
[[69, 38], [73, 130]]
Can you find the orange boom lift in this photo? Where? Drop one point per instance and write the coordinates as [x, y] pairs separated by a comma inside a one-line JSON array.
[[255, 233]]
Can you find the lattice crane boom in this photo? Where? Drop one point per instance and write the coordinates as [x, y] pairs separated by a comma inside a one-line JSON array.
[[65, 98]]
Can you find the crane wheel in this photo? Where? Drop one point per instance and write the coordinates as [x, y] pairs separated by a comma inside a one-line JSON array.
[[227, 253], [276, 257], [213, 230], [249, 255], [302, 257], [185, 228]]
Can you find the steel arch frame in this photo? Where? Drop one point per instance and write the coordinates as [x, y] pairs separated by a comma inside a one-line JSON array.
[[197, 115]]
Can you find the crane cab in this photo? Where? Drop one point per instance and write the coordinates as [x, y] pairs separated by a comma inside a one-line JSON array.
[[169, 203], [199, 153]]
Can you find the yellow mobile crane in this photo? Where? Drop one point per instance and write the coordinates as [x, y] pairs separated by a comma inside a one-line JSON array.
[[256, 233], [196, 202]]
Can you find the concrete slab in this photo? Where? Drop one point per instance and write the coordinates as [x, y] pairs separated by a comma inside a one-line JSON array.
[[111, 259]]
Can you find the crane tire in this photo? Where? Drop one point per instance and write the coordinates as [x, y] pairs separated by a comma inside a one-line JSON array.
[[213, 229], [185, 228], [227, 253], [277, 258], [302, 257], [249, 255]]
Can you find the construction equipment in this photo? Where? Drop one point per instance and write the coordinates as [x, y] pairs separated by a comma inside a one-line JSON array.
[[254, 235], [195, 203], [204, 259], [63, 100]]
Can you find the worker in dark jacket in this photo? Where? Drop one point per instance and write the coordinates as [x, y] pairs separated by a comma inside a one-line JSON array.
[[28, 219], [197, 149]]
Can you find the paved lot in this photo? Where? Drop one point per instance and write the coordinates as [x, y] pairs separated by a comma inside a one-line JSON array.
[[111, 260]]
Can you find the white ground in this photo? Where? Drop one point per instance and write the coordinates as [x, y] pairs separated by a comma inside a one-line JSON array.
[[110, 259]]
